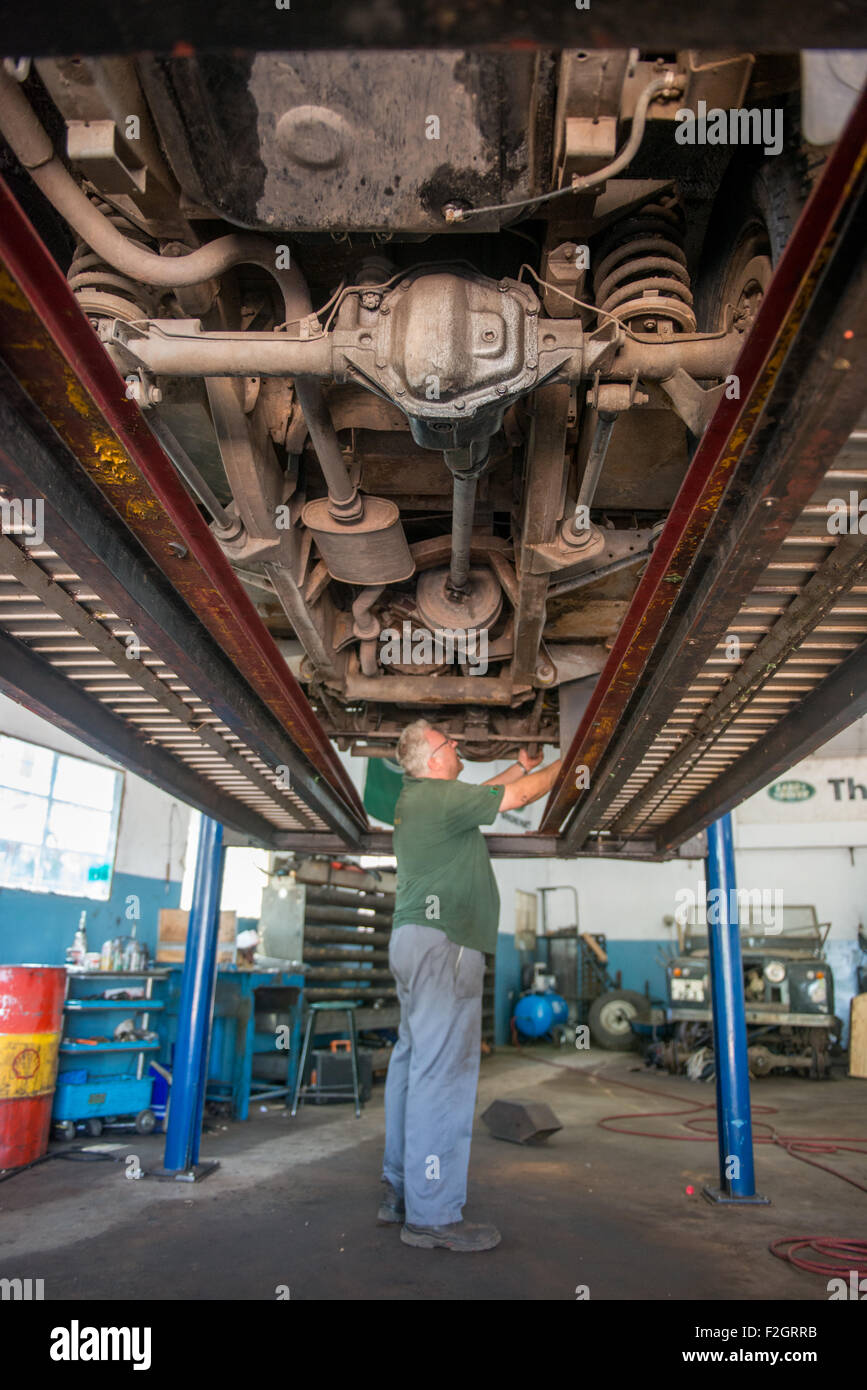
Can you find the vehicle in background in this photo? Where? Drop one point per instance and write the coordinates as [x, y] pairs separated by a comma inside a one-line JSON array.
[[788, 993]]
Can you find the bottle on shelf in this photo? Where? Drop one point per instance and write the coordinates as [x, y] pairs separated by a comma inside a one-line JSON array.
[[78, 950]]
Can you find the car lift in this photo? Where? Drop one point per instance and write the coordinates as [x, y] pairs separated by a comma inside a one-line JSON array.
[[671, 742]]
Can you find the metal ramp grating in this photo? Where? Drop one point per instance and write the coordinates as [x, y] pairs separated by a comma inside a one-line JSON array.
[[46, 606]]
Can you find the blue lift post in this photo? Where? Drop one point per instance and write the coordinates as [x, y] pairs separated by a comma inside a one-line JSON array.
[[737, 1183], [189, 1074]]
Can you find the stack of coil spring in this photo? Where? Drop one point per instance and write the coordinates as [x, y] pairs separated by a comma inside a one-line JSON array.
[[346, 936], [347, 931], [104, 292]]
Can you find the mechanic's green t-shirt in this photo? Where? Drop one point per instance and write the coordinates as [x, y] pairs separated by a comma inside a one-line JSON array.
[[444, 874]]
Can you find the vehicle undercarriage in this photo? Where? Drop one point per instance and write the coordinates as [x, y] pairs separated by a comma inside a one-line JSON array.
[[429, 336]]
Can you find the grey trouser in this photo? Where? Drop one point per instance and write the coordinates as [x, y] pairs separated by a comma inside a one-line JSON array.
[[433, 1073]]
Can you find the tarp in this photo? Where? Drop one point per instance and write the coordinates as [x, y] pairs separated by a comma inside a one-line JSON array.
[[382, 787]]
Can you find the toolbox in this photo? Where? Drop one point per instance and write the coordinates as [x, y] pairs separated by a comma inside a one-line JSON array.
[[327, 1068]]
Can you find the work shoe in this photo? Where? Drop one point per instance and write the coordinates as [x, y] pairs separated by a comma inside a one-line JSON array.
[[392, 1210], [460, 1235]]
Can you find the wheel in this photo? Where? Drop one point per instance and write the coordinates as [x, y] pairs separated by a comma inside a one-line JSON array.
[[760, 1061], [66, 1130], [93, 1128], [753, 218], [820, 1068], [145, 1122], [609, 1019]]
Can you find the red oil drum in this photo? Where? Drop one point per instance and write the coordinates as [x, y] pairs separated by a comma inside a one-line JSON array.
[[31, 1013]]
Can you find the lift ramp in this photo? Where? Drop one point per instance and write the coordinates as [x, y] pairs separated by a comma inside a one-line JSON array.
[[744, 648], [122, 622], [120, 618]]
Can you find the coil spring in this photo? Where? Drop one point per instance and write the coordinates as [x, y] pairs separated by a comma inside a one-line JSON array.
[[641, 274], [102, 291]]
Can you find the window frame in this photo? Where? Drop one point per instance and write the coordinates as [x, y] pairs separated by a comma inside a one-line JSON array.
[[50, 800]]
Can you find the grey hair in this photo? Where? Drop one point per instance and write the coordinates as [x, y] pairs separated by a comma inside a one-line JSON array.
[[413, 749]]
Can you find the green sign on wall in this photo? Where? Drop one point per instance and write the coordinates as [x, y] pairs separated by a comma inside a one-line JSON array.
[[791, 790]]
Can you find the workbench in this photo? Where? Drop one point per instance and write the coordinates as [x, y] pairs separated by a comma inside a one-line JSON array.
[[234, 1042]]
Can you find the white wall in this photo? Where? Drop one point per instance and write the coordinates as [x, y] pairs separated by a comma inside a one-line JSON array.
[[245, 874]]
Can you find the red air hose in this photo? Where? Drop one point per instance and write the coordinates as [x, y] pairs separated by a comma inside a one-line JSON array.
[[853, 1254], [798, 1146]]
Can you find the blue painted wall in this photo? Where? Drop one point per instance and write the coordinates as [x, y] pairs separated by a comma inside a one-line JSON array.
[[36, 928], [637, 963], [507, 984]]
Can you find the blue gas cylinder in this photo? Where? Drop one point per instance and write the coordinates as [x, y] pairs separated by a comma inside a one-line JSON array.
[[559, 1006], [534, 1015]]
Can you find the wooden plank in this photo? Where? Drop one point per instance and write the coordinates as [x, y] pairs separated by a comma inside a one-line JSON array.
[[595, 947], [172, 934], [858, 1036]]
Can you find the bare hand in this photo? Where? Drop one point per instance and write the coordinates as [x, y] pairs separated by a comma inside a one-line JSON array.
[[528, 763]]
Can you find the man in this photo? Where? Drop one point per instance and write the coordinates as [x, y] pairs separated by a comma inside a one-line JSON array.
[[445, 919]]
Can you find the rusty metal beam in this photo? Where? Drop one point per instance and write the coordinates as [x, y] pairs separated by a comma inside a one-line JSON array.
[[52, 350], [529, 846], [84, 529], [813, 406], [791, 316], [55, 29], [543, 492]]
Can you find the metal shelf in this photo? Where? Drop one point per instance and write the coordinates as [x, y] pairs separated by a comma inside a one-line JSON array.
[[116, 974], [78, 1006]]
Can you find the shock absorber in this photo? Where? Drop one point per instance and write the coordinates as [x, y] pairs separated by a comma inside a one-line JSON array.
[[104, 292], [641, 276]]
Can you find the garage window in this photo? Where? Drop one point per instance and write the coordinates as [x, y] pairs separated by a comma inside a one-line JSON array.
[[58, 821]]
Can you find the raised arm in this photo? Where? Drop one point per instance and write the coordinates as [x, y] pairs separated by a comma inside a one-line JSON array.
[[525, 764], [531, 787]]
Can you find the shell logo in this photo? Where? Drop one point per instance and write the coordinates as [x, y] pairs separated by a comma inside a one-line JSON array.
[[26, 1064]]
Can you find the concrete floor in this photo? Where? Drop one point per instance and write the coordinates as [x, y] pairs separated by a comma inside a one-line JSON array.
[[294, 1201]]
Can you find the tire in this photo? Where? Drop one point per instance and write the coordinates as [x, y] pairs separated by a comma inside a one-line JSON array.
[[66, 1130], [609, 1019], [93, 1128], [752, 220], [145, 1122]]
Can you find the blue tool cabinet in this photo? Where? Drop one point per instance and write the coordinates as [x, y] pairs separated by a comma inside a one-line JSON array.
[[108, 1080]]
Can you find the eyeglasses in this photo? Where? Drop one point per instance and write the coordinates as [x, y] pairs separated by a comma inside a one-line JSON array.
[[451, 741]]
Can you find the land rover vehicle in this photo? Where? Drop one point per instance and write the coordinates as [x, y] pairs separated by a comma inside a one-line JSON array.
[[788, 991], [429, 335]]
